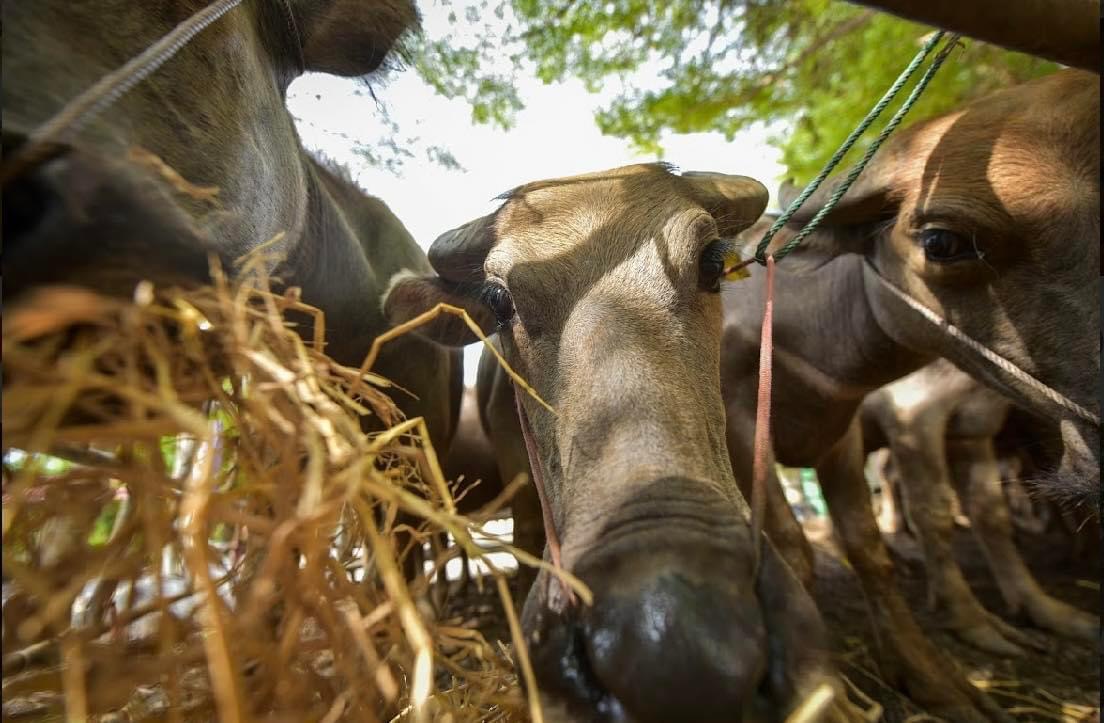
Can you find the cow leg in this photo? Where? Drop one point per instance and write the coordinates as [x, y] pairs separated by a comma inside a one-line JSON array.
[[901, 501], [465, 573], [528, 535], [918, 450], [890, 520], [780, 524], [439, 588], [973, 463], [905, 654]]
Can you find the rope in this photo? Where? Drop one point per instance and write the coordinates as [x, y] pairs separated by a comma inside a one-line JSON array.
[[880, 106], [992, 357], [762, 419], [538, 482], [108, 89], [762, 444]]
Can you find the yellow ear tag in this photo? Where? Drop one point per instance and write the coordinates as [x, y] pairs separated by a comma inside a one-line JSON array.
[[732, 258]]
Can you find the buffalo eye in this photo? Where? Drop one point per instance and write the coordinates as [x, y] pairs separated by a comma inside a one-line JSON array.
[[942, 246], [711, 266], [499, 301]]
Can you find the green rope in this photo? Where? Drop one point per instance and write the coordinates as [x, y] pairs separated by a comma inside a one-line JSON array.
[[760, 251]]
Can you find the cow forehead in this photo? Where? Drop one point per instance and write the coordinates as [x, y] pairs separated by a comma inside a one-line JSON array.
[[1015, 157], [608, 210]]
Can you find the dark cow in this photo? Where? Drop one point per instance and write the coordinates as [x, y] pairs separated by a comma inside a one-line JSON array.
[[132, 195], [604, 291], [989, 216]]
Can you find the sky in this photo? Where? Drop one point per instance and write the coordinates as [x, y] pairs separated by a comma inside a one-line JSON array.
[[554, 135]]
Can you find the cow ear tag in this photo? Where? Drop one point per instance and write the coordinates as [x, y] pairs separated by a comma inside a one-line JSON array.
[[732, 259]]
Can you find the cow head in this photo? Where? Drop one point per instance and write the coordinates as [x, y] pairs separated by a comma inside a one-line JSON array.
[[603, 289], [99, 212], [990, 217]]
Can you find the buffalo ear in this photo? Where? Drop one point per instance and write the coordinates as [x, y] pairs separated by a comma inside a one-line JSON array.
[[409, 295], [458, 255], [788, 192], [349, 37], [735, 202]]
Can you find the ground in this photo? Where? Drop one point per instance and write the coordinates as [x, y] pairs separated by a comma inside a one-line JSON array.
[[1031, 688], [1067, 671]]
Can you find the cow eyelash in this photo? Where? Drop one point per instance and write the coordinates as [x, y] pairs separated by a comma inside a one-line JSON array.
[[711, 265], [498, 300]]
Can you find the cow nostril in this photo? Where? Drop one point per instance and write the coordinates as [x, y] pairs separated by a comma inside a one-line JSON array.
[[673, 646], [28, 195], [26, 202]]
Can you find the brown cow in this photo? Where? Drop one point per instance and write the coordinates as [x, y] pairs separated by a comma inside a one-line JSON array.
[[128, 196], [604, 291], [990, 217], [936, 420]]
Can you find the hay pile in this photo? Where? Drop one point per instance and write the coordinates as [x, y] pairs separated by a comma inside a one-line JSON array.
[[244, 539]]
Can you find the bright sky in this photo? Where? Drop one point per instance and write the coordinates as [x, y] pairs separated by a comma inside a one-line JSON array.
[[555, 135]]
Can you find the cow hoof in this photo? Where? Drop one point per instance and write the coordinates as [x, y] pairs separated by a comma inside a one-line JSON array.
[[995, 636], [911, 662], [1058, 617]]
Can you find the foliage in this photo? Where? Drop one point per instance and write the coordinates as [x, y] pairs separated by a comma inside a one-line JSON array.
[[459, 65], [813, 67]]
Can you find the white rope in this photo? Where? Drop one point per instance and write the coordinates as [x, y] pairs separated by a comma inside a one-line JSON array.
[[985, 352]]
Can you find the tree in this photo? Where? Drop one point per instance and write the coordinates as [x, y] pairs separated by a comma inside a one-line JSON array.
[[812, 66]]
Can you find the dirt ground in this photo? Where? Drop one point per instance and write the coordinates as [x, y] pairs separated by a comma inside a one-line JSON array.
[[1030, 688]]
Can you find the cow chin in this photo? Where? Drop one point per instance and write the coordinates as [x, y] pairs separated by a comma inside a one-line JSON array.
[[1064, 460], [1074, 481], [682, 627]]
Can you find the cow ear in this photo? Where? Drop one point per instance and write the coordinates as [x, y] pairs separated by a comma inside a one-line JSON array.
[[350, 37], [458, 255], [735, 202], [409, 295], [788, 192]]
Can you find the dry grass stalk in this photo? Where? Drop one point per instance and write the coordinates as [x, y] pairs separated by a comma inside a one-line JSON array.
[[252, 568]]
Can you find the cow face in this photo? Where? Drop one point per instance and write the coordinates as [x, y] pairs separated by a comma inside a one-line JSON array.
[[603, 289], [990, 217], [200, 156]]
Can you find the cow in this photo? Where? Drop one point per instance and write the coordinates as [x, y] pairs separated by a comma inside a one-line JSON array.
[[987, 216], [203, 157], [840, 334], [939, 424], [604, 292]]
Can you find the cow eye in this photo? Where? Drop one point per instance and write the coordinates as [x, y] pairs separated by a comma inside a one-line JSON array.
[[711, 266], [942, 246], [499, 301]]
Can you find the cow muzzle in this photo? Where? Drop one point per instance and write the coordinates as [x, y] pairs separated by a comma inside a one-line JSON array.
[[73, 217], [683, 626]]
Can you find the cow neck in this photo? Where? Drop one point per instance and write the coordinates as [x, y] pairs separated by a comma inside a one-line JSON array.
[[318, 213], [824, 317]]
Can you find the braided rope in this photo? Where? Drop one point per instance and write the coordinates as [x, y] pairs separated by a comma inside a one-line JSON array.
[[853, 174], [902, 79], [762, 443], [991, 356]]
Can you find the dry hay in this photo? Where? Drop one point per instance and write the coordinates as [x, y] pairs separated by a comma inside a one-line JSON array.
[[200, 429]]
